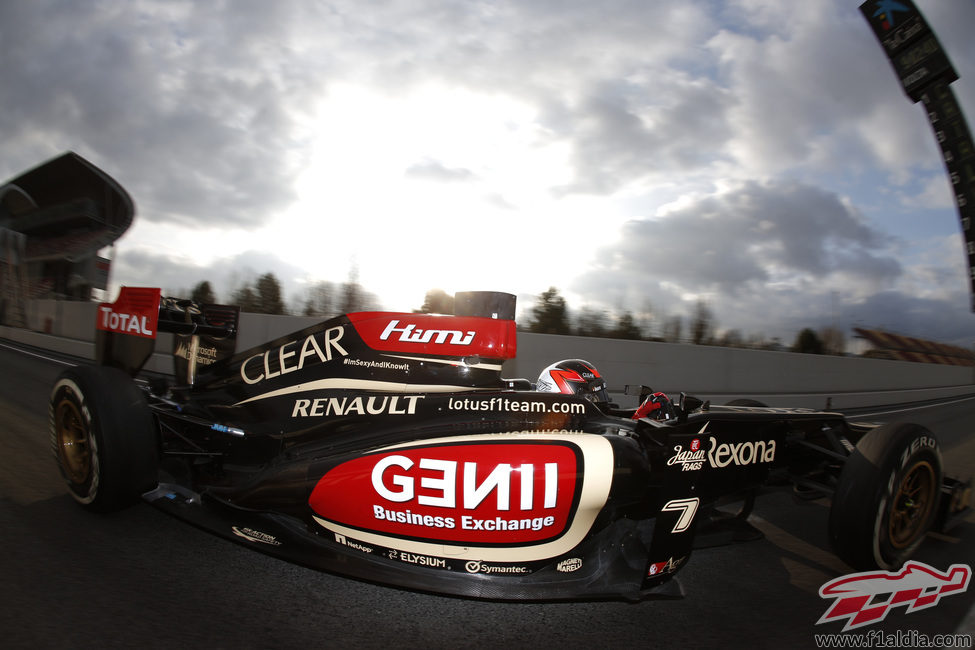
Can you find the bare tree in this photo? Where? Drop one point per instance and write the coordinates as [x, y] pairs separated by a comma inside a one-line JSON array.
[[591, 322], [203, 293], [673, 329], [626, 328], [437, 301], [321, 299], [702, 324], [834, 341], [550, 314]]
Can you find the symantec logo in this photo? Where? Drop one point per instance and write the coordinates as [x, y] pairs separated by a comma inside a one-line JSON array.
[[497, 494], [866, 598], [135, 312]]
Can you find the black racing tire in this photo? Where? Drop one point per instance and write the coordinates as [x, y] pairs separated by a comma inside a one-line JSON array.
[[747, 402], [886, 498], [103, 437]]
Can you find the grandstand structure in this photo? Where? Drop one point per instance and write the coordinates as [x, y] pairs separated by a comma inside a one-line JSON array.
[[54, 219], [907, 348]]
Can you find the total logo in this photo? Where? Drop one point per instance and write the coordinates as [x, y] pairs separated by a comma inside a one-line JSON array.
[[135, 312], [113, 321]]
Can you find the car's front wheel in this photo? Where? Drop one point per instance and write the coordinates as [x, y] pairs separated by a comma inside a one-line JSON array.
[[887, 497], [102, 436]]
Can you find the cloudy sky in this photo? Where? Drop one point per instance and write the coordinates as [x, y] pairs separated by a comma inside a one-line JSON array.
[[756, 154]]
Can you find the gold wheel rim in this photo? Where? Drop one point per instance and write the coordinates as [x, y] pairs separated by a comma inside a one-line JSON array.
[[74, 447], [912, 504]]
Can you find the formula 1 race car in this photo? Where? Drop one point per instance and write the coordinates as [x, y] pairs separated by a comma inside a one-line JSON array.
[[387, 447]]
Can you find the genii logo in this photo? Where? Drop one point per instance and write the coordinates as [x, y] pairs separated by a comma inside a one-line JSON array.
[[866, 598], [512, 497], [505, 493]]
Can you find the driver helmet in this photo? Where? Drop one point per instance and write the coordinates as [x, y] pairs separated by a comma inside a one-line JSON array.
[[574, 377]]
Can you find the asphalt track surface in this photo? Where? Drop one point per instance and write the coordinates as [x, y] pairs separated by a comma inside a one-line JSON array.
[[140, 578]]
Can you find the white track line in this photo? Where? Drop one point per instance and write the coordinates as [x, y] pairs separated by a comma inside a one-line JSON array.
[[39, 356], [860, 416]]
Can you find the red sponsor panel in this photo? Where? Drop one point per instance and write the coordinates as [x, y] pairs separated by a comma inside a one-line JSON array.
[[457, 336], [135, 312], [478, 493]]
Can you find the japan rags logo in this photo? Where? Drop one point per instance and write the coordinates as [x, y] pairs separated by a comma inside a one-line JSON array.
[[866, 598]]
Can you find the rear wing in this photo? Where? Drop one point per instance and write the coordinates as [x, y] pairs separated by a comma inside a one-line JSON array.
[[126, 331]]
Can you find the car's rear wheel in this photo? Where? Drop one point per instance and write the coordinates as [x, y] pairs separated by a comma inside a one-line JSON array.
[[887, 497], [102, 436]]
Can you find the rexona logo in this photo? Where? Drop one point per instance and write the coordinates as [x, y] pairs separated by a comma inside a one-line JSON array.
[[410, 334], [502, 493], [136, 312], [741, 453], [866, 598]]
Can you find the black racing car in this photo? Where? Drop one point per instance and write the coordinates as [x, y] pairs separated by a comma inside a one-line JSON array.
[[387, 446]]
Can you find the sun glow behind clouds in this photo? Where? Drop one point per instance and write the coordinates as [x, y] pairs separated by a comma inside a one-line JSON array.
[[437, 188]]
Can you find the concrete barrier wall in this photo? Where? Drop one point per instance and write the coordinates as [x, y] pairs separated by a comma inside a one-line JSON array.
[[723, 374], [718, 374]]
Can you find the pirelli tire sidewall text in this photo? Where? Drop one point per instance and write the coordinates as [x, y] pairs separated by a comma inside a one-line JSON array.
[[886, 499], [103, 437]]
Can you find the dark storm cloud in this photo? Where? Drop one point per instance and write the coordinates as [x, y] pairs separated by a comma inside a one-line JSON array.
[[622, 133], [202, 110], [761, 253], [753, 234], [177, 276], [192, 113]]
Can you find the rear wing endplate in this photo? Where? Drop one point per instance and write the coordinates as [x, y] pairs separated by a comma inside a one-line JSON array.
[[126, 330]]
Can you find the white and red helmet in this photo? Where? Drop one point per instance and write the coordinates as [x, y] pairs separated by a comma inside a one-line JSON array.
[[573, 377]]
